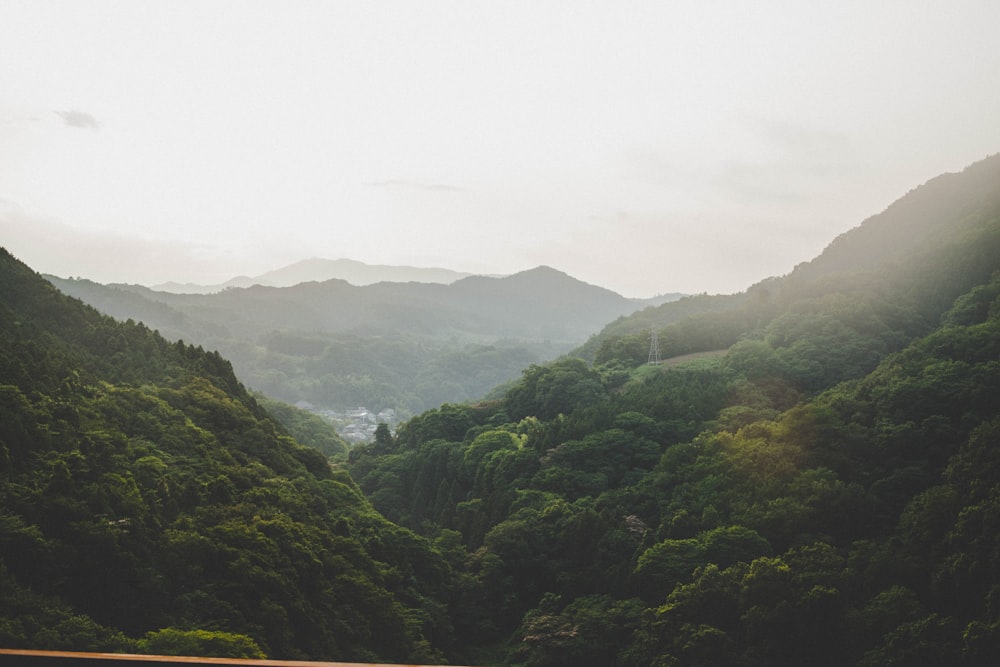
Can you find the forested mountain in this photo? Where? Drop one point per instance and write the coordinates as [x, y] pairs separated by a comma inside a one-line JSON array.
[[825, 490], [407, 346], [147, 502]]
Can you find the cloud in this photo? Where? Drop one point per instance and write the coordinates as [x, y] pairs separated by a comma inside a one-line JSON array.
[[414, 185], [79, 119]]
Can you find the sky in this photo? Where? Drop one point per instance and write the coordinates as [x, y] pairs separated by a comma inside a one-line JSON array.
[[647, 147]]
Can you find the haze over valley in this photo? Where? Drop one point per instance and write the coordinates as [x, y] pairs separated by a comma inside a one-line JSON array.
[[404, 346]]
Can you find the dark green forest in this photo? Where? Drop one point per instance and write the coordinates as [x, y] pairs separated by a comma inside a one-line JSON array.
[[822, 489]]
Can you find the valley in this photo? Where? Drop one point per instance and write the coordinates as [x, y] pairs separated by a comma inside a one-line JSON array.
[[405, 347]]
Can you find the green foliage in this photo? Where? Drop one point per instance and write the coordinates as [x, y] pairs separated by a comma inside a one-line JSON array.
[[670, 562], [449, 422], [590, 630], [609, 458], [32, 620], [171, 641], [557, 388]]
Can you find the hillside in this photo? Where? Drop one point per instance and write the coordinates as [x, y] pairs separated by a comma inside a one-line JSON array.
[[406, 346], [150, 504], [925, 249], [823, 493]]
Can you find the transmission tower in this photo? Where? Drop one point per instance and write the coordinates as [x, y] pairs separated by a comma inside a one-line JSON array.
[[654, 349]]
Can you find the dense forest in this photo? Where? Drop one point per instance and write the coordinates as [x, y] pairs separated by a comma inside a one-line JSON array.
[[817, 483]]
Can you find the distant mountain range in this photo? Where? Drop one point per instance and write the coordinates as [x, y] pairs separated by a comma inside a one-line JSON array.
[[318, 269], [535, 305], [403, 345]]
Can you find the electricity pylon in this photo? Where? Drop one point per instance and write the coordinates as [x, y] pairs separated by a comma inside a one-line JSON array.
[[654, 348]]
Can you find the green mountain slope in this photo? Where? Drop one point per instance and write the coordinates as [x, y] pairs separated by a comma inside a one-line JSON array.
[[909, 262], [824, 491], [146, 499]]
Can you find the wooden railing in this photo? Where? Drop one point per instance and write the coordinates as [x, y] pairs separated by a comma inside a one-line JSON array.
[[11, 657]]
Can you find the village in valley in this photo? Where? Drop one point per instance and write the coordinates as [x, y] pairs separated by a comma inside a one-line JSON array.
[[355, 425]]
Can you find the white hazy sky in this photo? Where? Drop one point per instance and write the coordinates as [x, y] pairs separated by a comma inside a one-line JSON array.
[[647, 147]]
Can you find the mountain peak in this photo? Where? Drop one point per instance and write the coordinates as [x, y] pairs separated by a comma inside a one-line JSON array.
[[544, 270]]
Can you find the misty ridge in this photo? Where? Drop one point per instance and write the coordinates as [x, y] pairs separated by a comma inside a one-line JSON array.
[[406, 346], [319, 270]]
